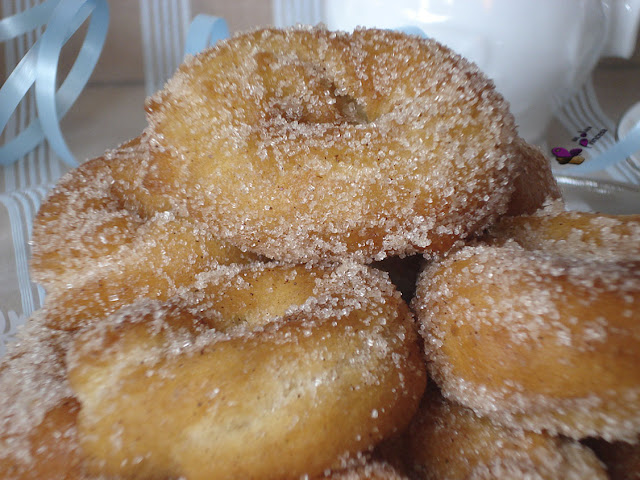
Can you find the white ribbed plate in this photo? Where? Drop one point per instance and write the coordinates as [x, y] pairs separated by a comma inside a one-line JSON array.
[[600, 196]]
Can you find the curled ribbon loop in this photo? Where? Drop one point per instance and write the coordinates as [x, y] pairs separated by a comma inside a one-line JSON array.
[[205, 30], [39, 66]]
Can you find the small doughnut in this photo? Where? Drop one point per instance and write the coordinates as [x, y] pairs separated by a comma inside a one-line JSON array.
[[85, 227], [85, 236], [303, 144], [264, 371], [37, 408], [572, 234], [541, 331], [447, 441], [164, 256], [80, 222], [535, 184]]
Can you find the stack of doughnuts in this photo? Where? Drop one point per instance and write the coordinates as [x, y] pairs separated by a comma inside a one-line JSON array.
[[233, 293]]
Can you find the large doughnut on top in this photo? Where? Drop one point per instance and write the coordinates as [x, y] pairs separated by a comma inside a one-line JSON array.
[[304, 143]]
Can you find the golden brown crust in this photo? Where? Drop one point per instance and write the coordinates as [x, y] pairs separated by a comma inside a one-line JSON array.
[[449, 442], [282, 371], [539, 338], [320, 144], [534, 184]]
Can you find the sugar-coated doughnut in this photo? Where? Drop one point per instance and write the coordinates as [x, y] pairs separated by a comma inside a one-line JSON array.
[[447, 441], [86, 227], [272, 372], [96, 253], [78, 222], [541, 330], [304, 143], [38, 410]]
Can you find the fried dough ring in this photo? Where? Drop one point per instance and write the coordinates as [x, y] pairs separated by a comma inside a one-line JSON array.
[[535, 184], [304, 144], [274, 373], [95, 253], [448, 441], [544, 338], [37, 408]]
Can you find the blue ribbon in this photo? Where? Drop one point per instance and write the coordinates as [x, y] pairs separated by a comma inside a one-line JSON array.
[[205, 30], [40, 65]]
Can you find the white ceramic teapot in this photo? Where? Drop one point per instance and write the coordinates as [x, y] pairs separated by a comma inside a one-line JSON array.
[[537, 52]]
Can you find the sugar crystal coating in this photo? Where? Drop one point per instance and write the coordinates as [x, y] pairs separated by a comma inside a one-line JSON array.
[[304, 143], [331, 347], [537, 331]]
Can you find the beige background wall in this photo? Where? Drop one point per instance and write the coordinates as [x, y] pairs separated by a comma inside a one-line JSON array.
[[121, 59]]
